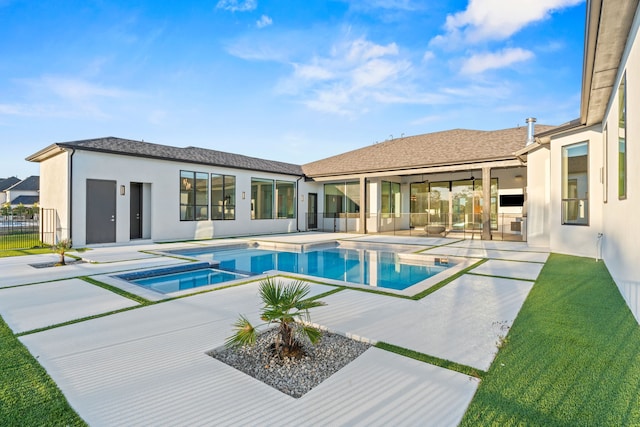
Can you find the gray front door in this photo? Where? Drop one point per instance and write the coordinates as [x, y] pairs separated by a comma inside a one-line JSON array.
[[101, 211], [312, 212], [135, 215]]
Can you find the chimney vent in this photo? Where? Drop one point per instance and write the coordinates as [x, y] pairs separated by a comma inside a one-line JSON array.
[[530, 129]]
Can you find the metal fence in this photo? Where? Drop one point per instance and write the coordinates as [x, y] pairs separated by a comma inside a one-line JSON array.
[[26, 231], [467, 226]]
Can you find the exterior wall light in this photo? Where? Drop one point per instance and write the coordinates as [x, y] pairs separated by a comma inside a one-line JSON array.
[[122, 190]]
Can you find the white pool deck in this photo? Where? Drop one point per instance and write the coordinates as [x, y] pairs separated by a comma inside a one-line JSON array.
[[147, 365]]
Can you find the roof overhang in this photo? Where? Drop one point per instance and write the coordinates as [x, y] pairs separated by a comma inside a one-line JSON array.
[[46, 153], [606, 31], [466, 167]]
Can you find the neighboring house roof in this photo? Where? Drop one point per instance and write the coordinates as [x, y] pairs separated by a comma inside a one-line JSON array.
[[607, 29], [164, 152], [31, 183], [6, 183], [458, 146], [25, 200]]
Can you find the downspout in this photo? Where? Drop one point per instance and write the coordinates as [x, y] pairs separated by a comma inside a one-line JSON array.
[[73, 151]]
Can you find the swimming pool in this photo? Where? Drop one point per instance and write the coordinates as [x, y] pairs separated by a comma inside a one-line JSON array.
[[179, 278], [376, 268]]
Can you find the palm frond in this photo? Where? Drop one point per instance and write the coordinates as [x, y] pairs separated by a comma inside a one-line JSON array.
[[312, 333], [245, 333]]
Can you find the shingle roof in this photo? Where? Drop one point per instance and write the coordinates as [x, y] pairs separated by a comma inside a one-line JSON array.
[[6, 183], [188, 154], [31, 183], [25, 200], [457, 146]]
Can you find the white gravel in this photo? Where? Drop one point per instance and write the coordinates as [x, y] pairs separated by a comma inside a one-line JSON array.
[[294, 377]]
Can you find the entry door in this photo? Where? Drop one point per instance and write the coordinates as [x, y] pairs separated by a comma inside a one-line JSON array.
[[101, 211], [135, 210], [312, 212]]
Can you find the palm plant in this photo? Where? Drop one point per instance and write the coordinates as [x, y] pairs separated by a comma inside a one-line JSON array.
[[61, 248], [286, 306]]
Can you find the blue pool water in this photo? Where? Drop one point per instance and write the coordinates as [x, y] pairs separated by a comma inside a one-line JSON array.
[[367, 267], [178, 278], [173, 282]]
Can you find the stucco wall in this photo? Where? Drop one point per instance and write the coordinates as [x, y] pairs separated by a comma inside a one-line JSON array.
[[54, 191], [538, 197], [578, 240], [161, 189], [621, 226]]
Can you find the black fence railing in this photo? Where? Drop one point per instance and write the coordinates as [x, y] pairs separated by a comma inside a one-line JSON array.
[[465, 225], [27, 231]]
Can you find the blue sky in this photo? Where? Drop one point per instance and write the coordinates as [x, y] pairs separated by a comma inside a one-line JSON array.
[[293, 81]]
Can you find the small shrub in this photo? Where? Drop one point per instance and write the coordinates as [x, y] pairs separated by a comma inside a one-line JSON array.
[[286, 306], [61, 248]]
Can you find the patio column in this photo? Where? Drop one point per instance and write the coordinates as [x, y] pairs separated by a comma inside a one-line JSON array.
[[486, 203]]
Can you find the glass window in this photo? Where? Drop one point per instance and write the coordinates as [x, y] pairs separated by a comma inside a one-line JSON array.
[[605, 164], [575, 184], [194, 199], [261, 198], [341, 198], [187, 195], [439, 198], [390, 199], [285, 199], [352, 191], [419, 203], [223, 197], [202, 196], [622, 138]]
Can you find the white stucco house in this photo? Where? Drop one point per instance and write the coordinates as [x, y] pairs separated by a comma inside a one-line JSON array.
[[572, 188]]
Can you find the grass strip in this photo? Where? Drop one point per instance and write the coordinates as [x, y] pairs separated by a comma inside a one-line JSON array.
[[28, 396], [432, 360], [79, 320], [21, 252], [572, 356], [116, 290], [500, 277], [446, 281]]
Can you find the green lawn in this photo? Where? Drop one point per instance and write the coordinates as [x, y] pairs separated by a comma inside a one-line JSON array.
[[28, 396], [572, 356], [19, 252], [19, 240]]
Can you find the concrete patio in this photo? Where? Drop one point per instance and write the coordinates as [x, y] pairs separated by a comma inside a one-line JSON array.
[[147, 365]]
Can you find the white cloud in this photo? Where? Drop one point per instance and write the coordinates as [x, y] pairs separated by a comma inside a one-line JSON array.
[[312, 72], [428, 56], [353, 74], [264, 21], [363, 50], [493, 60], [496, 19], [77, 90], [237, 5], [406, 5], [51, 96]]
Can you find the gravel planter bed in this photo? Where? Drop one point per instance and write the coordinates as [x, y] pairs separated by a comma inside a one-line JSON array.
[[294, 377]]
